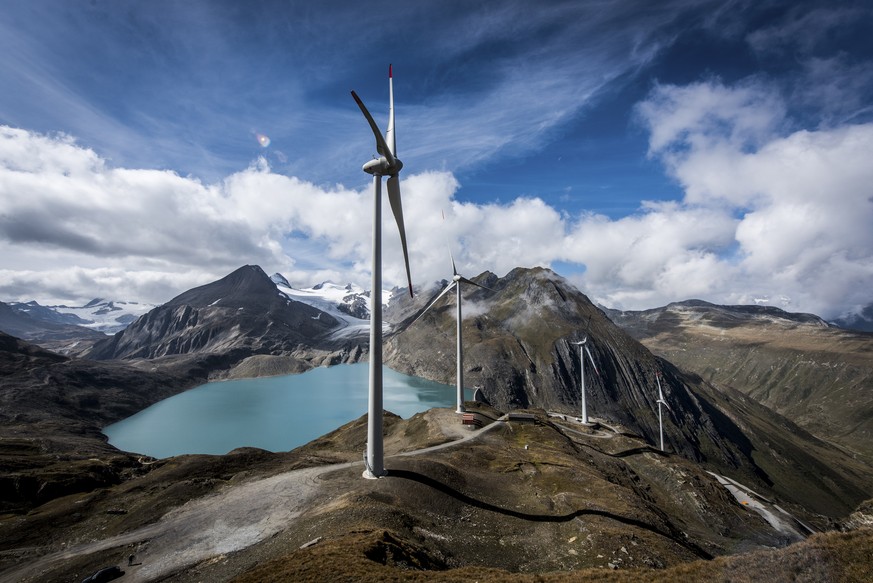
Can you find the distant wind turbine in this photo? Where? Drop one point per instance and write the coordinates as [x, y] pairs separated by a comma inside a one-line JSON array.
[[583, 349], [387, 164], [660, 402], [456, 282]]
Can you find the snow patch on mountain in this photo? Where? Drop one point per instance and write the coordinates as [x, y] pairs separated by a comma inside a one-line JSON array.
[[99, 314], [349, 304]]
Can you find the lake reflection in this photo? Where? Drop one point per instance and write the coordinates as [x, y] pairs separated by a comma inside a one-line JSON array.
[[273, 413]]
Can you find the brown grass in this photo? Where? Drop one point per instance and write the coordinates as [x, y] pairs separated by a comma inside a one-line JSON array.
[[383, 556]]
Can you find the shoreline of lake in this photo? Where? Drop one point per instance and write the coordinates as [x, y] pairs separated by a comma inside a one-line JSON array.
[[275, 413]]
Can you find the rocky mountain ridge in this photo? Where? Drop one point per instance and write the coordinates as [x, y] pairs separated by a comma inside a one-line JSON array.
[[242, 317], [519, 352]]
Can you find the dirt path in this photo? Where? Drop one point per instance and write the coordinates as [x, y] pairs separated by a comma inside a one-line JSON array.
[[220, 523], [594, 432]]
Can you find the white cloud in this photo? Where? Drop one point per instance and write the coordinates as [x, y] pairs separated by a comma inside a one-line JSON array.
[[765, 214], [803, 200]]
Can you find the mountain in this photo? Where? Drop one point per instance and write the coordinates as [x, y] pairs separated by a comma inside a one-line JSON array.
[[860, 322], [533, 496], [349, 303], [518, 351], [47, 328], [244, 319], [815, 374], [99, 314]]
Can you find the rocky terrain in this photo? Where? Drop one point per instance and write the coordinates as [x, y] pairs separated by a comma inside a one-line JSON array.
[[51, 411], [519, 352], [815, 374], [545, 496]]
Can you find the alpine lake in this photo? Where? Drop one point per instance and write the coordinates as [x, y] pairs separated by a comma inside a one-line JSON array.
[[272, 413]]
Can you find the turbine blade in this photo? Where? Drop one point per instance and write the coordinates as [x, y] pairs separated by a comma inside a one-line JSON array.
[[446, 290], [381, 145], [390, 136], [591, 358], [471, 282], [397, 209], [454, 269], [660, 393]]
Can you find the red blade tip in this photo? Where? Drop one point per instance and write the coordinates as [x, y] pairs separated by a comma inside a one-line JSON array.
[[389, 72]]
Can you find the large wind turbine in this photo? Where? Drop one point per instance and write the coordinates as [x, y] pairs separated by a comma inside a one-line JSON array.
[[660, 402], [387, 164], [583, 349], [457, 280]]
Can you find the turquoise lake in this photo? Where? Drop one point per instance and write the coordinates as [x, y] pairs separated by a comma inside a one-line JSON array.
[[273, 413]]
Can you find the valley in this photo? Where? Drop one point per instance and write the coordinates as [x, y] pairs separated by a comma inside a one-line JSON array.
[[813, 373]]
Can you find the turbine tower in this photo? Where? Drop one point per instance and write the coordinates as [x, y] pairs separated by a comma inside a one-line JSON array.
[[583, 349], [457, 280], [387, 164], [660, 402]]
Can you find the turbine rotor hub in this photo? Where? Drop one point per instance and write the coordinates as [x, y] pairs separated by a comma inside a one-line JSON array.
[[381, 167]]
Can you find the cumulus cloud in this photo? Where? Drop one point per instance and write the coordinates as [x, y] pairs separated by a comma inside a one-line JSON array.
[[768, 211], [800, 201]]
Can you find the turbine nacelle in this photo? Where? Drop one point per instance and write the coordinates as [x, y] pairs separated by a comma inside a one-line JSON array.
[[382, 167]]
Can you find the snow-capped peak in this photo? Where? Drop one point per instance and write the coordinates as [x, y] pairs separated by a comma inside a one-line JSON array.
[[279, 279]]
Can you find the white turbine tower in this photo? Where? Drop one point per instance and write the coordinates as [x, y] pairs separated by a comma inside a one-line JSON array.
[[660, 402], [456, 282], [583, 349], [388, 165]]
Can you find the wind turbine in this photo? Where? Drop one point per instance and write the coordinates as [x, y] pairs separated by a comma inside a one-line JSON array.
[[583, 349], [457, 280], [660, 402], [387, 164]]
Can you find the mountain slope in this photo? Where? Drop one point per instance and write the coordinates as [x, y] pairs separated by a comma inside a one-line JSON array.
[[817, 375], [52, 410], [242, 317], [519, 351]]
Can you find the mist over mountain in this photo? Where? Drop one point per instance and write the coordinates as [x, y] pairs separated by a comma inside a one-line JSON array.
[[861, 321]]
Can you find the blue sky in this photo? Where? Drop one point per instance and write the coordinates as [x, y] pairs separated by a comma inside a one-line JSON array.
[[649, 152]]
